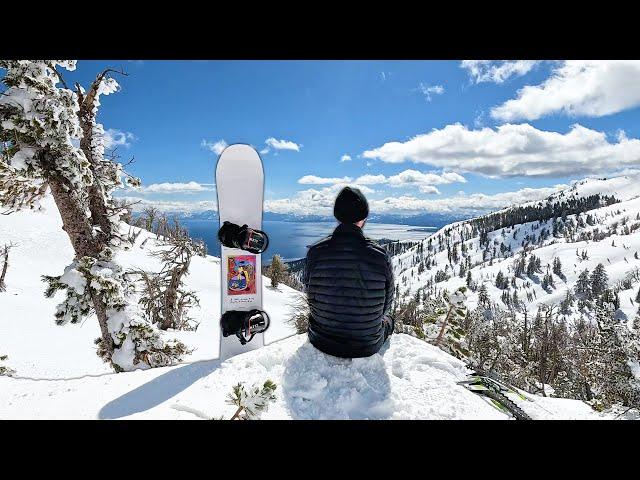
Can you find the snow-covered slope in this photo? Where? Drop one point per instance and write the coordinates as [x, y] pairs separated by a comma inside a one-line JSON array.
[[60, 376], [618, 251], [408, 379], [38, 348]]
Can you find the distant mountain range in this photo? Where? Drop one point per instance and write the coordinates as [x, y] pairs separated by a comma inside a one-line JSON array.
[[424, 220]]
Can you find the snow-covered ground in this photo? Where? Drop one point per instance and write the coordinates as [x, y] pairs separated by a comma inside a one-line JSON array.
[[38, 348], [408, 379], [58, 374]]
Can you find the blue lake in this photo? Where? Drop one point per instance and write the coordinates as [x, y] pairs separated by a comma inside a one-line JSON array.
[[290, 239]]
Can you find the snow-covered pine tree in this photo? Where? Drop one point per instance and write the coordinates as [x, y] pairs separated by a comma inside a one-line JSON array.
[[251, 403], [39, 125], [598, 280], [483, 296], [583, 284], [451, 334], [557, 267], [164, 300], [277, 270], [618, 365]]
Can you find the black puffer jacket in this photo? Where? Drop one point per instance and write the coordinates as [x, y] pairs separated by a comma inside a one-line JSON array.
[[349, 283]]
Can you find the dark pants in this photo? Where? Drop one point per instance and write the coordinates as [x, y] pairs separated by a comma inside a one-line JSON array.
[[389, 324]]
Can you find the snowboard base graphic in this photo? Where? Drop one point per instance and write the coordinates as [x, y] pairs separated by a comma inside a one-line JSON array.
[[240, 189]]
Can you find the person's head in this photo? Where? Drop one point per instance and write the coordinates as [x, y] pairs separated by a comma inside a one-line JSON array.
[[351, 207]]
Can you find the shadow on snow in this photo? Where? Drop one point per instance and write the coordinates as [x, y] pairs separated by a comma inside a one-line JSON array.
[[158, 390]]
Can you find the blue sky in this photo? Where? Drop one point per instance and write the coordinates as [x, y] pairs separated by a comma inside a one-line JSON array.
[[418, 133]]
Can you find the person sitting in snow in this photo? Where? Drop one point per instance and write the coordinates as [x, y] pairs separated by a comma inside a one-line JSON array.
[[349, 284]]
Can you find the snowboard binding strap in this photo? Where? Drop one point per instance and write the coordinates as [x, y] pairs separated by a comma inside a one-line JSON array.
[[244, 238], [244, 324]]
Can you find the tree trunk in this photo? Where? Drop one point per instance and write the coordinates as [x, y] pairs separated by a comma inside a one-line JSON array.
[[171, 298], [77, 226], [97, 206], [5, 265], [444, 326]]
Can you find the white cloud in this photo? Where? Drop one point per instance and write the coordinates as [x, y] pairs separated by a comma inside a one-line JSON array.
[[429, 189], [320, 202], [345, 158], [215, 147], [114, 138], [170, 205], [429, 90], [265, 150], [513, 150], [312, 201], [497, 71], [371, 179], [592, 88], [188, 187], [475, 203], [414, 177], [282, 144], [313, 180]]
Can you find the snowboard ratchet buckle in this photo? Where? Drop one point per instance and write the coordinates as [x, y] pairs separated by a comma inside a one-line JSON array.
[[244, 324], [244, 237]]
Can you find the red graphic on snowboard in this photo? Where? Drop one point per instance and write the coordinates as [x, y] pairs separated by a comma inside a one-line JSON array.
[[241, 275]]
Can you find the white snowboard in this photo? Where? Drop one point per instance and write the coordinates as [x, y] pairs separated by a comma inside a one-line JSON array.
[[240, 190]]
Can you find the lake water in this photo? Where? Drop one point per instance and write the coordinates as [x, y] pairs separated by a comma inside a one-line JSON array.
[[290, 239]]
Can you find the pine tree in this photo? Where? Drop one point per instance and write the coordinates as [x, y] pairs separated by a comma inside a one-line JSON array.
[[277, 270], [583, 284], [251, 403], [619, 349], [451, 334], [40, 124], [501, 281], [557, 267], [483, 296], [598, 279], [164, 300], [638, 296]]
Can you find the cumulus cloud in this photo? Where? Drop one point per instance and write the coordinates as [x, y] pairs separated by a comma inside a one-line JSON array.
[[497, 71], [320, 202], [140, 203], [414, 177], [188, 188], [282, 144], [114, 138], [371, 179], [429, 90], [312, 201], [345, 158], [313, 180], [475, 203], [215, 147], [592, 88], [513, 150]]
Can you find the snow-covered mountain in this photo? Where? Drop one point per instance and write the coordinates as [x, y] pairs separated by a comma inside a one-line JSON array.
[[606, 226], [59, 375]]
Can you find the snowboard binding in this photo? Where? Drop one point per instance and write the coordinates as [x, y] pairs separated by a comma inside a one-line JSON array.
[[244, 238], [244, 324]]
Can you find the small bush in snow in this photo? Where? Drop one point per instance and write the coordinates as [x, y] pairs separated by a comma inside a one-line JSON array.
[[4, 370], [251, 403]]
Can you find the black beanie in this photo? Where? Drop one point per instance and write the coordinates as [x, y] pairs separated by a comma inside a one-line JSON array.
[[351, 206]]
